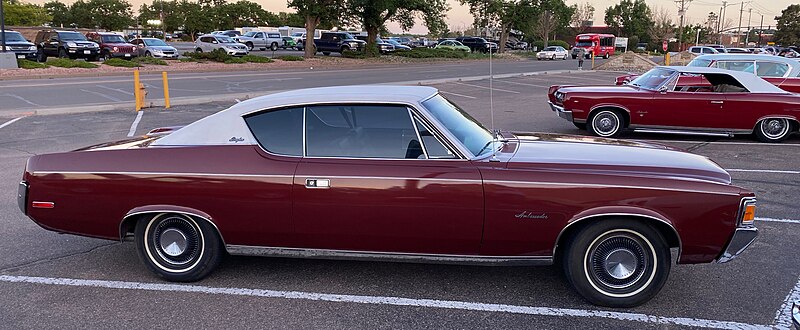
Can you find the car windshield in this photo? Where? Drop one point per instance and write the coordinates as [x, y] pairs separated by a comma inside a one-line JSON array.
[[465, 128], [653, 78], [225, 39], [155, 42], [392, 41], [13, 37], [698, 62], [550, 49], [583, 44], [71, 36], [114, 39]]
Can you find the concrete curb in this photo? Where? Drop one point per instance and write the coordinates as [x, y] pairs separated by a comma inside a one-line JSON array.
[[245, 96]]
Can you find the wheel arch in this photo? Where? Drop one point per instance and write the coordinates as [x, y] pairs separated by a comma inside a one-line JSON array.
[[793, 121], [626, 114], [580, 221], [128, 223]]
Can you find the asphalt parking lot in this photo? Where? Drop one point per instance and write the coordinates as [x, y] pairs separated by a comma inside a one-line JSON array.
[[49, 280]]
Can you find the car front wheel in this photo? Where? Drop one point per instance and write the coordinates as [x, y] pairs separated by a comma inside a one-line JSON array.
[[198, 50], [40, 56], [249, 45], [62, 53], [178, 247], [617, 262], [773, 130], [606, 123]]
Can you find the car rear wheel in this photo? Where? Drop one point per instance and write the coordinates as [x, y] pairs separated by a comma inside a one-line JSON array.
[[773, 129], [249, 45], [148, 54], [198, 50], [617, 262], [40, 56], [565, 57], [606, 56], [554, 57], [606, 123], [178, 247], [105, 56], [273, 47]]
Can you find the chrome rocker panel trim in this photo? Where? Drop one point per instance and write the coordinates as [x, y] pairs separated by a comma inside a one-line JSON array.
[[389, 256], [563, 113]]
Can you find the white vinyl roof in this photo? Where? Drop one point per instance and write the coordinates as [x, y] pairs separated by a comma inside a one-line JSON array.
[[228, 127], [753, 83]]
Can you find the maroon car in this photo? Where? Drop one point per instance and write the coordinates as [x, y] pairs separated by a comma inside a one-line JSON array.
[[668, 100], [779, 71], [399, 174], [113, 45]]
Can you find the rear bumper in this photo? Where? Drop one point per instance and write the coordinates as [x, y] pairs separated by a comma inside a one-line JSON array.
[[741, 239], [22, 196], [563, 113]]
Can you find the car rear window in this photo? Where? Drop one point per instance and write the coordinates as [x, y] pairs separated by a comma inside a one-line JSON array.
[[279, 131]]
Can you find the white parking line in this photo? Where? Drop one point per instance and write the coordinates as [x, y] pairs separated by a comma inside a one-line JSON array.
[[519, 83], [478, 86], [783, 317], [135, 123], [456, 94], [778, 220], [22, 99], [11, 121], [116, 90], [102, 95], [762, 171], [392, 301]]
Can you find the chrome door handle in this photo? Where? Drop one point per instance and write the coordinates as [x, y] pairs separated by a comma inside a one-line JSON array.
[[717, 102], [318, 183]]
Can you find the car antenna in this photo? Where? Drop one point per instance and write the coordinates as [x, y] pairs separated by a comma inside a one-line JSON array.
[[491, 105]]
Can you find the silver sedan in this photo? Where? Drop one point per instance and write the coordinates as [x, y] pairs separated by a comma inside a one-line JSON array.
[[152, 47]]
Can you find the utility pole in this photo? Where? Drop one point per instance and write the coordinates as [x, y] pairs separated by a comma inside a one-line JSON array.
[[760, 29], [682, 13], [2, 29], [722, 19], [739, 28], [749, 17]]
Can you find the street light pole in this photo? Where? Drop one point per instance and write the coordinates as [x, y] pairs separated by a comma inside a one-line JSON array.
[[2, 29]]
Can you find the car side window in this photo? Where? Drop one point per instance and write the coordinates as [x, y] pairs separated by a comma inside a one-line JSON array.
[[361, 131], [278, 131], [432, 146], [743, 66], [771, 69]]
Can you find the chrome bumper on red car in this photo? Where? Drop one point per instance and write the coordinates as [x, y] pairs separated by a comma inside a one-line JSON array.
[[563, 113], [745, 233]]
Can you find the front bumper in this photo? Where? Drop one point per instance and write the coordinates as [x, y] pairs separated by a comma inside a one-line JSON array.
[[563, 113], [124, 55], [741, 239], [83, 52], [237, 52], [796, 314], [162, 55], [26, 54]]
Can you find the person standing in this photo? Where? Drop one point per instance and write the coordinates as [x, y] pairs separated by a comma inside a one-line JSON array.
[[581, 56]]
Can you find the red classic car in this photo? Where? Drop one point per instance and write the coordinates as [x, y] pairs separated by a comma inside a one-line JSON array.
[[664, 101], [394, 173], [779, 71]]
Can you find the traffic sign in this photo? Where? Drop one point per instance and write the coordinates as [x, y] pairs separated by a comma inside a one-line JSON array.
[[664, 45]]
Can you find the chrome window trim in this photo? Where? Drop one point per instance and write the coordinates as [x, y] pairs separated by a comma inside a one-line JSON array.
[[386, 256], [416, 130], [462, 151], [438, 136], [624, 214], [37, 173]]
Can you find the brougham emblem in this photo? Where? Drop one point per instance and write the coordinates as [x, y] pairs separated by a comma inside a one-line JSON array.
[[531, 215], [236, 139]]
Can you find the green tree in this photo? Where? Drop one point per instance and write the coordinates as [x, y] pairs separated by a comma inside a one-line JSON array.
[[553, 15], [314, 12], [630, 18], [582, 17], [80, 14], [18, 13], [788, 27], [193, 17], [59, 13], [111, 15], [373, 15], [292, 19]]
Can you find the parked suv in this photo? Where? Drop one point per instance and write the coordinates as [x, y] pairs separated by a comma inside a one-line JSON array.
[[338, 42], [261, 40], [477, 44], [383, 46], [65, 44], [113, 45], [703, 50], [210, 42], [16, 43]]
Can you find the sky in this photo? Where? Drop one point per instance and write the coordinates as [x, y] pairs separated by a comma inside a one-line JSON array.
[[459, 17]]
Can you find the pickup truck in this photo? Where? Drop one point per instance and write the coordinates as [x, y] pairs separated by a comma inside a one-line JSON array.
[[338, 42], [261, 40]]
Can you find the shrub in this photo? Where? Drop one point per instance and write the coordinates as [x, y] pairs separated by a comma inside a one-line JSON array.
[[187, 59], [149, 60], [540, 44], [353, 54], [27, 64], [121, 63], [290, 58], [68, 63], [256, 59], [235, 60], [432, 53], [217, 55]]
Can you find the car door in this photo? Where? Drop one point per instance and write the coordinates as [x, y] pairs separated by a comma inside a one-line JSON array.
[[367, 183], [51, 44], [261, 39], [686, 104]]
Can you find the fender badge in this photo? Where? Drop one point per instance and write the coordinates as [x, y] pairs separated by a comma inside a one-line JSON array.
[[531, 215], [236, 139]]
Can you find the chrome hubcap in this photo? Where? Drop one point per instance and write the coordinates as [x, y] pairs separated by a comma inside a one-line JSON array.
[[173, 242], [606, 123], [620, 263], [774, 128]]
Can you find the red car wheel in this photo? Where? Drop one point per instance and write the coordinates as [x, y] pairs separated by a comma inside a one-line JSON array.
[[773, 129], [606, 123]]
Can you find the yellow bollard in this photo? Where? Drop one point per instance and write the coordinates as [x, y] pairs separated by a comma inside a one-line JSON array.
[[666, 59], [166, 89], [592, 55], [136, 91]]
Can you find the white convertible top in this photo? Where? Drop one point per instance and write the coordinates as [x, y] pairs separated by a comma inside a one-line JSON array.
[[753, 83], [228, 127]]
